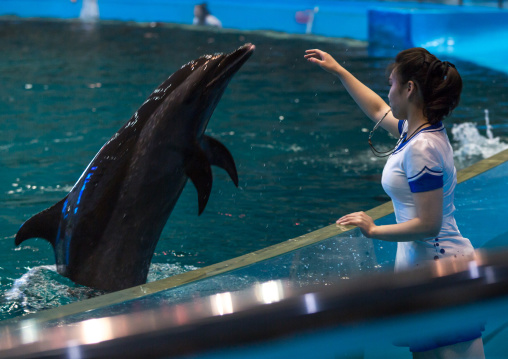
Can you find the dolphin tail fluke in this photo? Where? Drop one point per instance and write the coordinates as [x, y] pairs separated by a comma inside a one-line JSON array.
[[42, 225], [199, 171], [218, 155]]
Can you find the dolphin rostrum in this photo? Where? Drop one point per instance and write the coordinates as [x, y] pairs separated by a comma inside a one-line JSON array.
[[104, 232]]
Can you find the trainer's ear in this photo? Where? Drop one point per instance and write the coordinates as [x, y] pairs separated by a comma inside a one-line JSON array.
[[410, 85], [411, 89]]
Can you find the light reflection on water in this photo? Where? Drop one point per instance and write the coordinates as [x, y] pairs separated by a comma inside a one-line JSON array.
[[299, 141]]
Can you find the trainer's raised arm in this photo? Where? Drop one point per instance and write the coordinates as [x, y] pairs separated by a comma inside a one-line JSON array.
[[370, 102]]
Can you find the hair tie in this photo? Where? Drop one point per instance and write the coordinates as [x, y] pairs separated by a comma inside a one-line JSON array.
[[434, 65], [447, 67], [448, 64]]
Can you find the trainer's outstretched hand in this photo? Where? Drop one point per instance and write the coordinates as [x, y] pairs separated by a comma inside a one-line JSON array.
[[323, 59]]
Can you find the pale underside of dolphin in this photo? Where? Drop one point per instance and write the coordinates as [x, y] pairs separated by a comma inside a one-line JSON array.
[[104, 232]]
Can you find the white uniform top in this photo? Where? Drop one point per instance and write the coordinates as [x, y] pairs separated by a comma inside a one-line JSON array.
[[424, 163]]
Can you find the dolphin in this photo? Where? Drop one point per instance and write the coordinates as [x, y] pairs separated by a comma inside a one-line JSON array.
[[104, 232]]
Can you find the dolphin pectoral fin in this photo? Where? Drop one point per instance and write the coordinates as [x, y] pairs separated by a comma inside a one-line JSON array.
[[219, 156], [199, 171], [43, 225]]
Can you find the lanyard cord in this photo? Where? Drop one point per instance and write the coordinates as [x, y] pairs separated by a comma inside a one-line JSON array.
[[372, 148], [402, 138], [415, 132]]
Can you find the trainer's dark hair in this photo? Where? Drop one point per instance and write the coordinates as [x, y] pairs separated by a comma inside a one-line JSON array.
[[439, 82]]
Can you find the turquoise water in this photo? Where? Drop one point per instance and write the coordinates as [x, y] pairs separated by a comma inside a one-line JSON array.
[[299, 142]]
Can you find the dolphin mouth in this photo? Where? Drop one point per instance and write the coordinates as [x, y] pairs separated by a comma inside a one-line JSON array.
[[232, 62]]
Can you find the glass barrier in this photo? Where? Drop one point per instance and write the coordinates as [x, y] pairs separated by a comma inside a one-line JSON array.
[[482, 204], [380, 313], [346, 256]]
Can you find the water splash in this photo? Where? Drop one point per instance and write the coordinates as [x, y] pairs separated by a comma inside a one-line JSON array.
[[490, 135], [164, 270], [471, 146], [17, 188], [43, 288]]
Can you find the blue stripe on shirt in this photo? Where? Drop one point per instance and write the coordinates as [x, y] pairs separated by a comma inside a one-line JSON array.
[[400, 125], [426, 169], [426, 182]]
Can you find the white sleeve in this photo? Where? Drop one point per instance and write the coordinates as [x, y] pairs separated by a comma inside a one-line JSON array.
[[424, 166]]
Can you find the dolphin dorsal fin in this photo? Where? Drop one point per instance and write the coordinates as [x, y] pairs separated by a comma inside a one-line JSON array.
[[198, 169], [219, 156], [43, 225]]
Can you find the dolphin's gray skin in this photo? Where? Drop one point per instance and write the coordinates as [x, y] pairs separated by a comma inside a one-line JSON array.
[[104, 232]]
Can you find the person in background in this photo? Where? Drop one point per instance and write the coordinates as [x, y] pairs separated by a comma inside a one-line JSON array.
[[89, 10], [419, 175], [202, 16]]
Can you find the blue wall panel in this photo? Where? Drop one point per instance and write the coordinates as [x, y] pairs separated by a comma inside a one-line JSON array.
[[473, 34]]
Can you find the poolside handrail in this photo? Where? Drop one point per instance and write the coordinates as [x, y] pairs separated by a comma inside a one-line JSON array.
[[237, 262], [426, 294]]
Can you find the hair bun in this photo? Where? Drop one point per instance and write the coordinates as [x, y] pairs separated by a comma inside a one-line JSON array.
[[440, 86]]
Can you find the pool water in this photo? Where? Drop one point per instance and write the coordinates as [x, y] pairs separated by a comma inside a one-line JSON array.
[[299, 141]]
